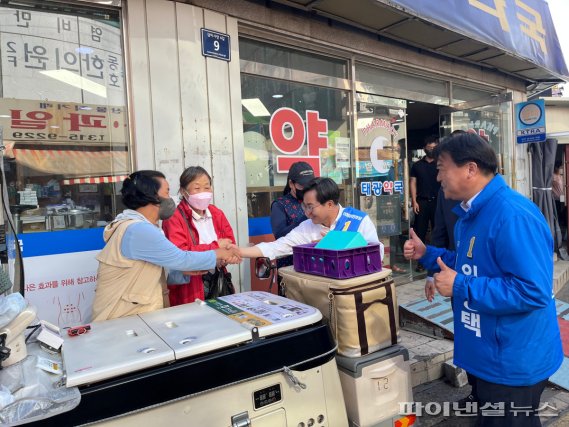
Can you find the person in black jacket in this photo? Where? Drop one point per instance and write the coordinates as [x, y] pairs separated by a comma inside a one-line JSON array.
[[286, 211], [424, 188]]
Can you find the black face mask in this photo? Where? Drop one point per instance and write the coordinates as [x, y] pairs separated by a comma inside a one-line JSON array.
[[429, 153], [299, 194], [167, 207]]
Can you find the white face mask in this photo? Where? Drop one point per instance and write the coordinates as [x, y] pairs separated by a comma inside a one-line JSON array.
[[199, 201]]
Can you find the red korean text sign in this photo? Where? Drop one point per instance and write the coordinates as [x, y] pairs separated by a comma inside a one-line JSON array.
[[289, 133]]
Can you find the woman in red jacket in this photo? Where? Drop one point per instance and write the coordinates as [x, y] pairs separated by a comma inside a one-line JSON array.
[[196, 226]]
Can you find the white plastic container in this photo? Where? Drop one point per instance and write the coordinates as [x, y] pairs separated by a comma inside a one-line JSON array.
[[374, 385]]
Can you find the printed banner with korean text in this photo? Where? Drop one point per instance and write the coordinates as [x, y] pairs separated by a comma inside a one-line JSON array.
[[61, 274], [66, 58], [57, 122]]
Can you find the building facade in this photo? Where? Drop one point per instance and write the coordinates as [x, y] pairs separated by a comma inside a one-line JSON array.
[[93, 90]]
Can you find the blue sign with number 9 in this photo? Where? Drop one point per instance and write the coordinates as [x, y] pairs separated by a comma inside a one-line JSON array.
[[216, 45]]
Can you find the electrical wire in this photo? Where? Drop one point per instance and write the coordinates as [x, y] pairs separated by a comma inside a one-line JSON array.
[[34, 329], [8, 216]]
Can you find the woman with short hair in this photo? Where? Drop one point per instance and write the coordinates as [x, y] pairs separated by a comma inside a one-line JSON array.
[[197, 225], [131, 275]]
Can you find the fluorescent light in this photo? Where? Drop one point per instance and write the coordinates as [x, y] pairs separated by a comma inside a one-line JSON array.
[[277, 96], [84, 49], [255, 107], [73, 79]]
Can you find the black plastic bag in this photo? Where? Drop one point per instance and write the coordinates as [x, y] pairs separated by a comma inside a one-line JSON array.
[[217, 284]]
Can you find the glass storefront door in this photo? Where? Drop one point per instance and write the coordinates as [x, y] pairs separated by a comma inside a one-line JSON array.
[[381, 173], [491, 119]]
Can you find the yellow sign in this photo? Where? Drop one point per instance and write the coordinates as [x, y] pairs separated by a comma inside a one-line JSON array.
[[57, 122], [251, 319]]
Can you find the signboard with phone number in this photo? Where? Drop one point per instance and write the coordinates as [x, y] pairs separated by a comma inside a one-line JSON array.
[[57, 122], [216, 45]]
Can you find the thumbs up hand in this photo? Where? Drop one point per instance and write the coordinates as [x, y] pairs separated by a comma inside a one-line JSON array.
[[413, 248], [444, 280]]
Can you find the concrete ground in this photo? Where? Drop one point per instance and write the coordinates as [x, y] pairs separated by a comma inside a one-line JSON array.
[[441, 392], [428, 354]]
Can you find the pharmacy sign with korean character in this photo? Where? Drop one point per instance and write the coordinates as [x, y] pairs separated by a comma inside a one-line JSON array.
[[530, 121]]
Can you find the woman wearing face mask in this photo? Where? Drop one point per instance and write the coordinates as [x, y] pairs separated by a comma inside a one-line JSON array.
[[197, 225], [131, 276], [286, 211]]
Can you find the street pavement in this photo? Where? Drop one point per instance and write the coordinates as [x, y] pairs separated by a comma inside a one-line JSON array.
[[442, 393], [562, 420]]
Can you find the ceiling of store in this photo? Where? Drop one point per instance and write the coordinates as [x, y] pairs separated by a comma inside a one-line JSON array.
[[397, 25]]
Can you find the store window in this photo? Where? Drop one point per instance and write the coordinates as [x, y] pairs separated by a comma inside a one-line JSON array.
[[63, 114], [491, 122], [266, 161], [466, 94], [399, 85], [279, 56], [486, 113]]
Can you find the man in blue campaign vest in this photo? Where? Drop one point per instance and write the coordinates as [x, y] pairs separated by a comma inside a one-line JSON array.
[[350, 219], [500, 277], [324, 212]]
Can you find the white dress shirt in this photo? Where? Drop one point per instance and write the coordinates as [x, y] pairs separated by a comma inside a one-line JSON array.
[[308, 232], [204, 225], [467, 205]]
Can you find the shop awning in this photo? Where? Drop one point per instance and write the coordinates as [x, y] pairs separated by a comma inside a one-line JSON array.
[[95, 180], [73, 163], [513, 36]]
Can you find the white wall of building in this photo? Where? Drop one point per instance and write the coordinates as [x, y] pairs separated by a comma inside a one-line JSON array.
[[186, 108], [557, 118]]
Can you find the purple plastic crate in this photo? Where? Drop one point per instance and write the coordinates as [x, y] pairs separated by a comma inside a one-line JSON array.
[[341, 264]]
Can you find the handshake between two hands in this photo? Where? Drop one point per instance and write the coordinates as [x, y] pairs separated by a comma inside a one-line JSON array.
[[228, 253]]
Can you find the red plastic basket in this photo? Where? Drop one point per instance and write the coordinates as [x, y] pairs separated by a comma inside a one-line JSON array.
[[341, 264]]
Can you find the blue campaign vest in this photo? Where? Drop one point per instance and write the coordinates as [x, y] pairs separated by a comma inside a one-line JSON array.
[[350, 220]]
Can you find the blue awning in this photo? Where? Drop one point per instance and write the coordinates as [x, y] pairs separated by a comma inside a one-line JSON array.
[[516, 37], [522, 29]]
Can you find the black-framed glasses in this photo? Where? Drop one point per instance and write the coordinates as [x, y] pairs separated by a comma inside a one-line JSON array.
[[309, 208]]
